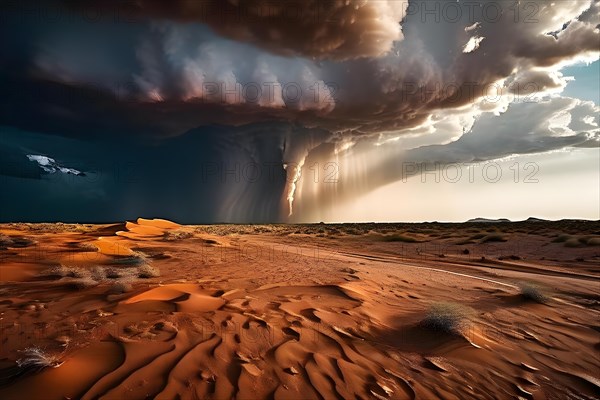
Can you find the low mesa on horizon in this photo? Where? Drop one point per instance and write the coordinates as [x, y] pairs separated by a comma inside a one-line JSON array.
[[304, 199]]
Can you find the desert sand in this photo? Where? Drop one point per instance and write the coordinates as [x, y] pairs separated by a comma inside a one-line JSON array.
[[153, 309]]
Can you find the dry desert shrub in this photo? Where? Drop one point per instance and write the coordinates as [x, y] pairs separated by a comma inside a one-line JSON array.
[[114, 273], [35, 359], [178, 234], [87, 246], [14, 241], [562, 238], [478, 236], [446, 317], [138, 258], [82, 283], [532, 292], [595, 241], [494, 237], [98, 273], [65, 271], [573, 242], [5, 241], [81, 278], [120, 287], [399, 238], [148, 271]]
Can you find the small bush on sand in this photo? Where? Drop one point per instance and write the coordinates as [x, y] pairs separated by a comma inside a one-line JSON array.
[[60, 271], [35, 359], [98, 273], [495, 237], [478, 236], [81, 273], [594, 241], [148, 271], [532, 292], [446, 317], [138, 258], [573, 242], [113, 273], [87, 246], [178, 234], [121, 287], [5, 241], [561, 238], [82, 283], [399, 238], [509, 257], [15, 241]]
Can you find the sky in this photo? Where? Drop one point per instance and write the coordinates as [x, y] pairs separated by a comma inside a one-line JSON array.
[[299, 111]]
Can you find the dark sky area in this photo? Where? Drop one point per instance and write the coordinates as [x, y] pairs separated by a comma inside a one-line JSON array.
[[262, 111]]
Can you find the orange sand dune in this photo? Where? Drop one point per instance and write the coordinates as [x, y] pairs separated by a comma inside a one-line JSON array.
[[158, 223], [187, 297], [301, 312]]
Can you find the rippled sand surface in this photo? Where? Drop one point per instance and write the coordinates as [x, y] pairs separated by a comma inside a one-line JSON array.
[[152, 309]]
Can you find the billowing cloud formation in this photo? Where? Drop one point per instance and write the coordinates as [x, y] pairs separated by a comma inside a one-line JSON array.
[[338, 29], [551, 124], [344, 75], [185, 73]]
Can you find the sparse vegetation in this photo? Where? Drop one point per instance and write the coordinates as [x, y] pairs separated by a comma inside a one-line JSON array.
[[120, 287], [561, 238], [98, 273], [446, 317], [177, 234], [148, 271], [138, 258], [478, 236], [82, 283], [14, 241], [532, 292], [64, 271], [594, 241], [114, 273], [35, 359], [495, 237], [573, 242], [87, 246], [5, 241], [510, 257], [399, 238], [84, 278]]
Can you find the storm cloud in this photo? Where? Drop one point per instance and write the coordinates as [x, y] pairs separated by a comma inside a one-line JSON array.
[[312, 80], [319, 29]]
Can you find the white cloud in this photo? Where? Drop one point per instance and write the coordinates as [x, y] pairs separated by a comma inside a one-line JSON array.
[[473, 44]]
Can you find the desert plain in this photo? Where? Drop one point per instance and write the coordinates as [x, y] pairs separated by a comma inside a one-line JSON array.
[[153, 309]]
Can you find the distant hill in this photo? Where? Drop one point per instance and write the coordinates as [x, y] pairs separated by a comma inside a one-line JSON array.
[[533, 219], [488, 220]]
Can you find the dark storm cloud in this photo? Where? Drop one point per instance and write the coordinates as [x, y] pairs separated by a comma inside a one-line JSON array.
[[179, 75], [342, 73], [312, 28]]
